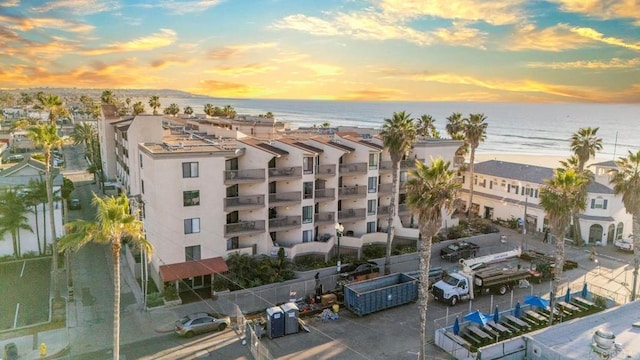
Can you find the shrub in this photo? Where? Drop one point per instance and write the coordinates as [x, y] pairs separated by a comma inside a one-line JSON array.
[[30, 255], [373, 251], [154, 299], [170, 292]]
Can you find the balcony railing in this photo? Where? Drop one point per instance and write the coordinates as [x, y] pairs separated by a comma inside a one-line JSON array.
[[243, 176], [385, 166], [409, 164], [325, 218], [355, 168], [284, 223], [383, 210], [290, 172], [352, 192], [352, 214], [326, 170], [403, 209], [244, 228], [282, 198], [385, 188], [325, 194], [243, 202]]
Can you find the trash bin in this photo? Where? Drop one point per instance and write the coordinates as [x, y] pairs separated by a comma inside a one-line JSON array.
[[291, 312], [10, 352], [275, 322]]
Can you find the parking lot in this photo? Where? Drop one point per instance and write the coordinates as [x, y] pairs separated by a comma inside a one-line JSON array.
[[25, 292]]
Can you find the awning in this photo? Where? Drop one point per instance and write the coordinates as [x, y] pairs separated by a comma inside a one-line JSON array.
[[189, 269]]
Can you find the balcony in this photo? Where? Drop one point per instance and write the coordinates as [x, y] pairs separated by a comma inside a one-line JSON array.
[[352, 192], [325, 218], [355, 168], [352, 214], [232, 177], [325, 194], [285, 173], [284, 223], [327, 170], [385, 166], [383, 211], [285, 198], [248, 202], [403, 209], [244, 228], [409, 164], [403, 188], [385, 188]]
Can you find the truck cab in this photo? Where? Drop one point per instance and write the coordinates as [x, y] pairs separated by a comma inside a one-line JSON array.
[[452, 288]]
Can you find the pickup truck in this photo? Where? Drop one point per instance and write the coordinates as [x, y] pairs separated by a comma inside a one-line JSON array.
[[625, 244], [459, 250]]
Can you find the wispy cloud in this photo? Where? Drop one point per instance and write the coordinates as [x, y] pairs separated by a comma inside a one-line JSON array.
[[233, 51], [183, 7], [80, 7], [170, 59], [614, 63], [625, 9], [554, 38], [495, 12], [249, 69], [379, 94], [225, 89], [323, 69], [594, 35], [28, 24], [162, 38], [9, 3]]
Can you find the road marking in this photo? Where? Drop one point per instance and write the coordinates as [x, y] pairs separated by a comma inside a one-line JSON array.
[[15, 318], [23, 266]]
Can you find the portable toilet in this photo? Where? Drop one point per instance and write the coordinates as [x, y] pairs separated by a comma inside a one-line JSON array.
[[275, 322], [291, 311]]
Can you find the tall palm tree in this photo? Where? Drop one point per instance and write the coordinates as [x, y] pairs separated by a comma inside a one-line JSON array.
[[36, 196], [46, 136], [475, 131], [560, 198], [188, 110], [208, 109], [55, 106], [426, 127], [138, 108], [114, 223], [398, 136], [108, 97], [172, 109], [626, 182], [430, 191], [154, 102], [454, 128], [12, 219]]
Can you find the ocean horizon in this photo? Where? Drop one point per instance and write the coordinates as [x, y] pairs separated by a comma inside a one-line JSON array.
[[518, 128]]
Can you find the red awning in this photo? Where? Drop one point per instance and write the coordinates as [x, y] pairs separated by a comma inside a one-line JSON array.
[[173, 272]]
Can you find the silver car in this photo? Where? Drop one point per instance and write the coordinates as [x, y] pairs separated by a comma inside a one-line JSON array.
[[199, 323]]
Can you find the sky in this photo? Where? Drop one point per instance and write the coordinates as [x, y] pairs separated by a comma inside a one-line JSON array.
[[377, 50]]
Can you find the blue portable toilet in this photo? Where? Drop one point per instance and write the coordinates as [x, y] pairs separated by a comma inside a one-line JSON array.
[[291, 311], [275, 322]]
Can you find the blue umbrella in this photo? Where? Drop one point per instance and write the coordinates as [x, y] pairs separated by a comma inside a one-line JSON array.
[[584, 292], [517, 310], [567, 296], [478, 317], [496, 315], [536, 301], [456, 327]]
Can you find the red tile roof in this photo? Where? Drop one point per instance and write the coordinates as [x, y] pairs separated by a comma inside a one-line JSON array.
[[188, 269]]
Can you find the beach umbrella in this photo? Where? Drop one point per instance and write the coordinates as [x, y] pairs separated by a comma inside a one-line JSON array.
[[478, 318], [517, 310], [567, 296], [456, 327], [584, 292], [534, 300], [496, 315]]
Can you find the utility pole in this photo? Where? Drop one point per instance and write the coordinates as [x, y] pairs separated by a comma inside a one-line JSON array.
[[339, 231]]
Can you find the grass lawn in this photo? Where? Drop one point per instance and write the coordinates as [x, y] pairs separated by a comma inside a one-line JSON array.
[[24, 282]]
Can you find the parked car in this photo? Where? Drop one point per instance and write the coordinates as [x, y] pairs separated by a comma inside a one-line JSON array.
[[198, 323], [625, 244], [74, 204], [359, 271], [15, 158], [459, 250]]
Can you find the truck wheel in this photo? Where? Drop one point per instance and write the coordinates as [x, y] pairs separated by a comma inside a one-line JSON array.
[[503, 289], [453, 301]]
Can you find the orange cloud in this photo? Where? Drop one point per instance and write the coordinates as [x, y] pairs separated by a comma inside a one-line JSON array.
[[603, 9], [225, 89], [164, 37], [81, 7], [233, 51], [373, 95], [169, 59], [249, 69], [10, 3], [554, 38], [28, 24], [323, 69], [592, 34], [495, 12], [615, 63]]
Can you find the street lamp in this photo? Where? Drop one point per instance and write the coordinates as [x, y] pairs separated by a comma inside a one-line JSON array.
[[339, 231]]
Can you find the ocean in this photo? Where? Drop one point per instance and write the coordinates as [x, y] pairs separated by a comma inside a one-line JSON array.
[[543, 129]]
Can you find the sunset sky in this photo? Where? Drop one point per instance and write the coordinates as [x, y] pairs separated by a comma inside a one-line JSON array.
[[438, 50]]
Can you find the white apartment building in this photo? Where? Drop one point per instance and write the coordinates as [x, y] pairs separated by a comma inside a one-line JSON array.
[[207, 191], [505, 189]]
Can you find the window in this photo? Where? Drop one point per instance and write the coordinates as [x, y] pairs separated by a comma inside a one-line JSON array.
[[599, 203], [233, 243], [140, 161], [307, 188], [403, 176], [373, 184], [307, 236], [307, 214], [373, 161], [142, 185], [190, 170], [490, 184], [191, 198], [371, 207], [371, 227], [192, 226], [503, 183], [192, 253], [307, 165]]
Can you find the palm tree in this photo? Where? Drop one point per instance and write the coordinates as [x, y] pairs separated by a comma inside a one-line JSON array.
[[188, 110], [560, 198], [12, 219], [172, 109], [430, 191], [114, 223], [154, 102], [108, 97], [398, 136], [55, 106], [626, 182], [25, 100], [37, 195], [47, 137], [229, 111], [208, 109], [475, 131], [138, 108], [426, 126], [455, 128], [86, 134]]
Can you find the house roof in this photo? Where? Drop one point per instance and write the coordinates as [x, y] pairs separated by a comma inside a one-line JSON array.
[[371, 145], [310, 148], [598, 188], [596, 218], [184, 270], [272, 149], [609, 163], [341, 146], [508, 170]]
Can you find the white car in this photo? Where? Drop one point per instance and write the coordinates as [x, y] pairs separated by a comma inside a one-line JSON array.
[[625, 244]]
